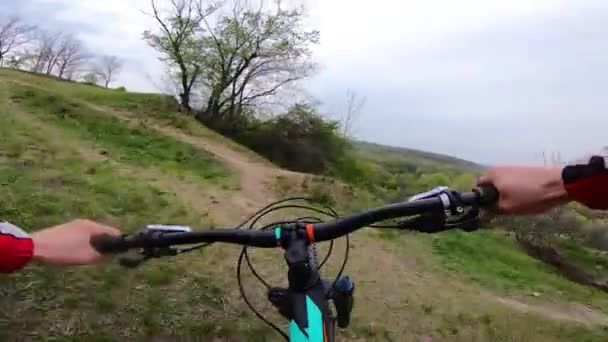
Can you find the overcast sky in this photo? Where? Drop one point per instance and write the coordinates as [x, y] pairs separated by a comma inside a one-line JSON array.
[[487, 80]]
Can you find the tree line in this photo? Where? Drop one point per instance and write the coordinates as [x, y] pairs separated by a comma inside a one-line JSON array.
[[28, 47]]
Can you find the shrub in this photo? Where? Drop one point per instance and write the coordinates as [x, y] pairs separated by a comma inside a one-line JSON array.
[[300, 139], [321, 196]]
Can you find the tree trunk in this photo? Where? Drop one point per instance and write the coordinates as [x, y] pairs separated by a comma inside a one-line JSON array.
[[50, 66], [186, 88], [185, 101], [38, 67], [61, 71]]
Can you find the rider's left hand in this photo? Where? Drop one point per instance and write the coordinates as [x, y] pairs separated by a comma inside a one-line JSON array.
[[68, 244]]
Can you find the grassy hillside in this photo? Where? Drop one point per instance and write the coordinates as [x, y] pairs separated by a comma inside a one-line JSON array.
[[394, 173], [415, 159], [69, 150]]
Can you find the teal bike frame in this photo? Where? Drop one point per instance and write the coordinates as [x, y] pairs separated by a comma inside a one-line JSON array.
[[306, 302]]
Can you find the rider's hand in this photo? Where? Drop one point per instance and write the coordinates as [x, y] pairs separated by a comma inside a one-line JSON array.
[[527, 190], [68, 244]]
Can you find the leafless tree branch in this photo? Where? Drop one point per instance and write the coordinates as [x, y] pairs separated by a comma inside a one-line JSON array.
[[13, 34], [354, 105], [108, 69]]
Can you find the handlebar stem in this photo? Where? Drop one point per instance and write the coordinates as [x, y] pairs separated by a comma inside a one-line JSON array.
[[302, 273]]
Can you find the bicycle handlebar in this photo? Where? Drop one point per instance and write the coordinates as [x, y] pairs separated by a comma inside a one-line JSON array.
[[486, 195]]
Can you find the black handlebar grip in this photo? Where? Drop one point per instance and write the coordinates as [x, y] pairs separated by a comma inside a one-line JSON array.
[[488, 195], [105, 244]]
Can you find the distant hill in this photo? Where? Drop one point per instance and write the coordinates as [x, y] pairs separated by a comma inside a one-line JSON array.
[[420, 159]]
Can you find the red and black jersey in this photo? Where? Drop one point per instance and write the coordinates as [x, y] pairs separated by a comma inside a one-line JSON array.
[[16, 248], [587, 183]]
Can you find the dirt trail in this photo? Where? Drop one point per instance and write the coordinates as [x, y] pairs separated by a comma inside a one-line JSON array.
[[254, 177], [256, 181], [562, 312]]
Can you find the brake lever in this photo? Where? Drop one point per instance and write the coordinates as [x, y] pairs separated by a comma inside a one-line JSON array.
[[157, 252], [425, 223], [148, 253], [454, 215]]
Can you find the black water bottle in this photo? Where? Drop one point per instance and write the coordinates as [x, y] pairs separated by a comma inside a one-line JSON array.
[[343, 300]]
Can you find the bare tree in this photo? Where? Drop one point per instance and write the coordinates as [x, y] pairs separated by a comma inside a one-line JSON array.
[[13, 34], [56, 46], [108, 68], [178, 40], [250, 55], [354, 105], [71, 56], [91, 77], [42, 55]]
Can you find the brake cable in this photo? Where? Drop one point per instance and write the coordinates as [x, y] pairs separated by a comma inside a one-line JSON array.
[[330, 212], [252, 220]]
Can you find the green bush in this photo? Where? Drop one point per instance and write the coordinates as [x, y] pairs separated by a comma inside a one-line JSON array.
[[352, 169], [300, 139], [320, 196]]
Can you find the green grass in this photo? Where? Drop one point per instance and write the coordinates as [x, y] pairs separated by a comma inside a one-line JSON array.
[[591, 260], [148, 102], [137, 146], [43, 185], [45, 182], [161, 107], [493, 260], [415, 159]]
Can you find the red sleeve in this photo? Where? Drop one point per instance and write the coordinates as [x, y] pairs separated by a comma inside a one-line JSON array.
[[588, 183], [16, 248]]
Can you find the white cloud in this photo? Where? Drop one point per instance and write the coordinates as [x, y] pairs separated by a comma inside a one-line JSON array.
[[487, 80], [471, 77]]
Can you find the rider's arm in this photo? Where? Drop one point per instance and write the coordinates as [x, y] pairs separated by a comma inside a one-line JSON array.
[[587, 183], [16, 248], [527, 189], [530, 190], [65, 245]]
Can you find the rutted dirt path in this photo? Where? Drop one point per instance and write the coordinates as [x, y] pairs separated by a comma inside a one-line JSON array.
[[256, 181], [572, 312], [255, 178]]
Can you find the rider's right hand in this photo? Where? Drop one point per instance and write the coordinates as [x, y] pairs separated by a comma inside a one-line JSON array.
[[527, 190]]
